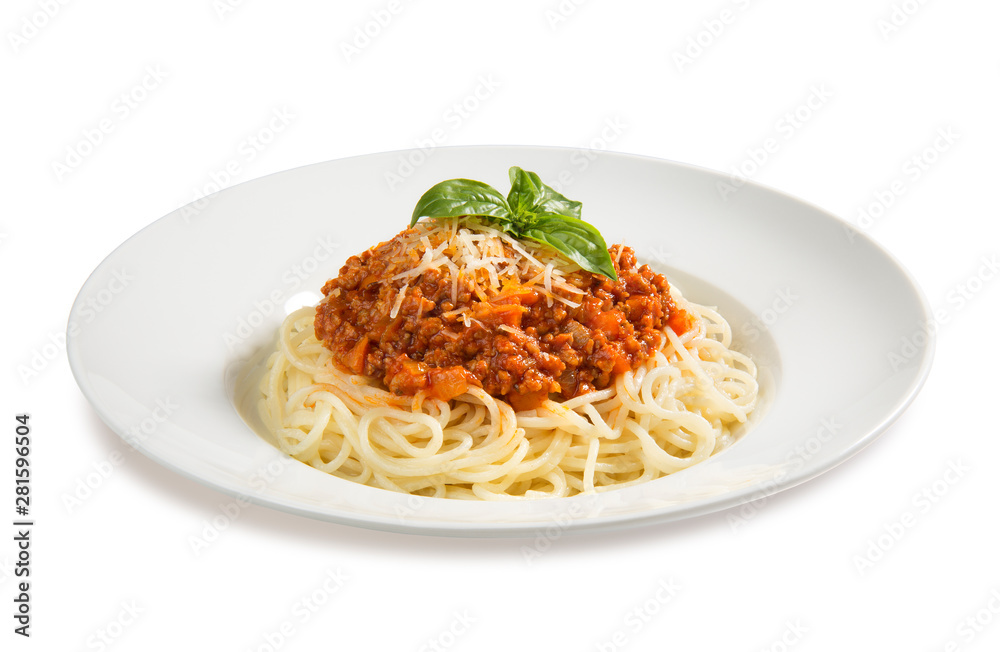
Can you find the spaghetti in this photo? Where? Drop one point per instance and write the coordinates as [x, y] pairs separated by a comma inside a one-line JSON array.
[[671, 407]]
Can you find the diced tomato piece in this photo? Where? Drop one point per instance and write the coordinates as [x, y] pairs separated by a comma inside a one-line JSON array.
[[680, 321], [447, 383], [519, 295], [496, 315], [355, 358], [608, 322], [528, 401], [406, 376], [621, 365]]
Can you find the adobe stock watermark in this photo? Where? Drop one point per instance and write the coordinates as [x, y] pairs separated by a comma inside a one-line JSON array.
[[580, 160], [368, 32], [972, 626], [452, 120], [461, 623], [108, 634], [247, 150], [34, 23], [785, 128], [546, 536], [639, 616], [899, 15], [414, 504], [660, 253], [292, 279], [121, 109], [921, 503], [956, 299], [913, 169], [790, 637], [211, 529], [87, 485], [783, 301], [7, 569], [561, 12], [223, 8], [708, 34], [41, 356], [301, 612], [102, 470], [794, 461]]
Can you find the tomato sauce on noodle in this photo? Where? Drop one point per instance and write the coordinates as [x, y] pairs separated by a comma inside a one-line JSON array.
[[510, 337]]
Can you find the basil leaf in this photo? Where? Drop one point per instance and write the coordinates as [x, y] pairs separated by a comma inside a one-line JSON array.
[[525, 190], [580, 242], [529, 195], [457, 197], [531, 210]]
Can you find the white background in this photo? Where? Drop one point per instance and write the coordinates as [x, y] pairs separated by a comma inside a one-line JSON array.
[[813, 568]]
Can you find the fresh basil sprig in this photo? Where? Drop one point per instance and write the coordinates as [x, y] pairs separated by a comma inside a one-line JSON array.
[[531, 210]]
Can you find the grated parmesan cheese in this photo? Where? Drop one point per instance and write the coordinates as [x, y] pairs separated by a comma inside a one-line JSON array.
[[482, 260], [399, 301]]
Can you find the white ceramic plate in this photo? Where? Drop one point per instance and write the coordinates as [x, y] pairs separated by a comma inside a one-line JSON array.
[[833, 322]]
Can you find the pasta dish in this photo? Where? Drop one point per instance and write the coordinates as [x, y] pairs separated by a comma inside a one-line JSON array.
[[498, 349]]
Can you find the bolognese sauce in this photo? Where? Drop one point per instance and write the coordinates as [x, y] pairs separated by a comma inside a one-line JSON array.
[[395, 314]]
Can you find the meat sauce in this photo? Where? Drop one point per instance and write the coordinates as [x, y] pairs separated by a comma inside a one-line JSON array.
[[514, 341]]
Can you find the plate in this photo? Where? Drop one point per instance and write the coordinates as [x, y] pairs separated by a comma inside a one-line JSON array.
[[190, 306]]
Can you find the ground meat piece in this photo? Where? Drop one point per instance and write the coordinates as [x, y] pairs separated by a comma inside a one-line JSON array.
[[504, 332]]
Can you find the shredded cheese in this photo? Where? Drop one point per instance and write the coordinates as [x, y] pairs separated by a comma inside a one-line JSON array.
[[483, 261], [399, 301]]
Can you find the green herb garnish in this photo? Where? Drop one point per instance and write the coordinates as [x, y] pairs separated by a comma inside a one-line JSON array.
[[531, 210]]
